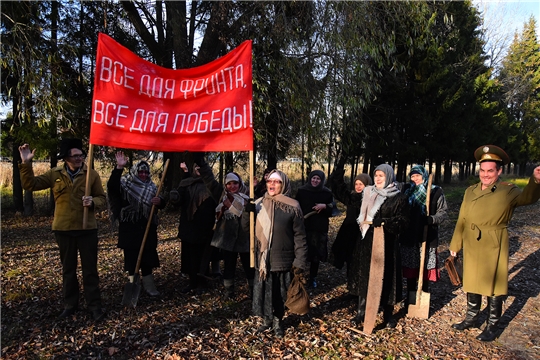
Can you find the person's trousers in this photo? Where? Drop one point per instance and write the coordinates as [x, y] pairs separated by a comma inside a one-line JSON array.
[[84, 243], [229, 264]]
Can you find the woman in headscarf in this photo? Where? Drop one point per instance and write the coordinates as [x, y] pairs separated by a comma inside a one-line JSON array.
[[411, 240], [131, 198], [195, 229], [231, 233], [348, 233], [317, 203], [280, 245], [383, 205]]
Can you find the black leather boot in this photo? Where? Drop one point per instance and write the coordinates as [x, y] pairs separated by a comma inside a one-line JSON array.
[[229, 289], [495, 311], [388, 318], [359, 318], [267, 324], [278, 327], [473, 309]]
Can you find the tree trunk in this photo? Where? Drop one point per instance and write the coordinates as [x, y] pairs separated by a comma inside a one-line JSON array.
[[447, 171], [28, 203], [18, 201]]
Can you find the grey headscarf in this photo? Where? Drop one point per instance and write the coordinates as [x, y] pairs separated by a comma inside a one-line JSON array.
[[375, 197]]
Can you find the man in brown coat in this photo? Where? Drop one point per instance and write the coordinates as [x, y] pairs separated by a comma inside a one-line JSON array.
[[68, 183], [481, 231]]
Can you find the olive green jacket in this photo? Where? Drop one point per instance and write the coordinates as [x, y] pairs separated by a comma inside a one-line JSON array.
[[68, 211], [481, 231]]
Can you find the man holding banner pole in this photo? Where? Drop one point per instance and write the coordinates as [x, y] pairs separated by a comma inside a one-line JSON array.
[[68, 183]]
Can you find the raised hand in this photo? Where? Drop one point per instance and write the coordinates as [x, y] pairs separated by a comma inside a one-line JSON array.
[[184, 167], [26, 154], [121, 160], [536, 174]]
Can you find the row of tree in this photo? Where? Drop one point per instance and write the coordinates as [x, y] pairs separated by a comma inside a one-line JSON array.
[[349, 82]]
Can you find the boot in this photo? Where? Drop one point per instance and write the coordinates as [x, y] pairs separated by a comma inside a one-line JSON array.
[[495, 311], [359, 318], [388, 319], [216, 270], [267, 324], [410, 299], [193, 283], [278, 327], [473, 309], [229, 289], [149, 286]]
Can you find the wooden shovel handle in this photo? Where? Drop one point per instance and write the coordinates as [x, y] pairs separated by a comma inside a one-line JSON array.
[[423, 254], [139, 259]]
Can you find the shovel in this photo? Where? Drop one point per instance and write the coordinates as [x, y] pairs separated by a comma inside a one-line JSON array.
[[421, 308], [133, 288]]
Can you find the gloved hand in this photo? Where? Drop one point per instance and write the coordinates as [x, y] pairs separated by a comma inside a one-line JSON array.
[[300, 274], [174, 196], [428, 220], [250, 206], [378, 222], [198, 158]]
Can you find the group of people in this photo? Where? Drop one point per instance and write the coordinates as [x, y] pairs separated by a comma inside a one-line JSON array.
[[291, 234]]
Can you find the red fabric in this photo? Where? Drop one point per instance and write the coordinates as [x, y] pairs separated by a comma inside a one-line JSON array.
[[140, 105], [431, 274]]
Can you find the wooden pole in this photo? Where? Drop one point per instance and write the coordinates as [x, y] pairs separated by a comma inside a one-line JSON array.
[[251, 214], [87, 187]]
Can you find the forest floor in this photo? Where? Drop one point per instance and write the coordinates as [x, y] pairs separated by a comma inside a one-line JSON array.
[[203, 326]]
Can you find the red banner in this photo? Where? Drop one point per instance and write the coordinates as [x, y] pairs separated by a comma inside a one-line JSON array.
[[140, 105]]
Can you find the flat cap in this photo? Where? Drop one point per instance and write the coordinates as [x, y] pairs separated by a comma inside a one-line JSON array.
[[491, 153]]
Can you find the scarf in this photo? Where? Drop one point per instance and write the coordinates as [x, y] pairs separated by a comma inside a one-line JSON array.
[[197, 190], [375, 197], [71, 173], [138, 194], [238, 200], [320, 187], [264, 224], [417, 194]]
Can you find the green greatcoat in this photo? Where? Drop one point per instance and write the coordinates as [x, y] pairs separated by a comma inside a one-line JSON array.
[[481, 230]]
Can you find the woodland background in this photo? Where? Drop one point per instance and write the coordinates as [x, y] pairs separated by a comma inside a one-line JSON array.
[[354, 82]]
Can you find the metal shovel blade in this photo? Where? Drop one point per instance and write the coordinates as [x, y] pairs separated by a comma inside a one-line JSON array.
[[131, 292], [420, 310]]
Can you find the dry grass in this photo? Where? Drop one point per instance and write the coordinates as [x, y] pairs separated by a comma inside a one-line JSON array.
[[104, 168]]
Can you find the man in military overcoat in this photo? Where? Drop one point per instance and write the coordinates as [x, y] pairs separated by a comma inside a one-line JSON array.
[[481, 231]]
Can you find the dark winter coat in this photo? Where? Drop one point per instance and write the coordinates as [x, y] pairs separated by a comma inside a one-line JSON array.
[[198, 229], [307, 199], [395, 213], [289, 247], [229, 234], [348, 233], [131, 233], [415, 231]]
